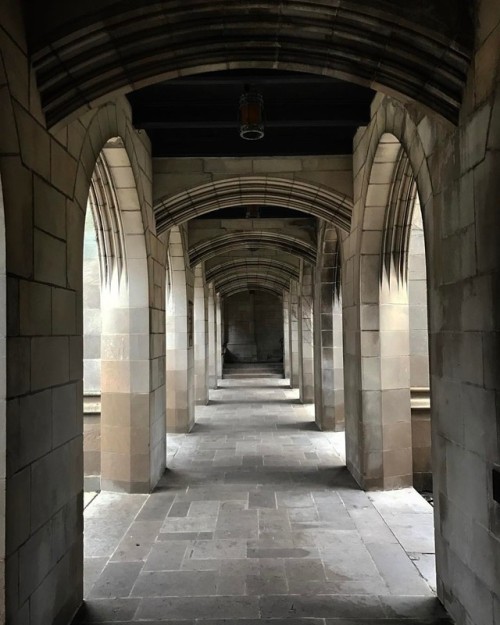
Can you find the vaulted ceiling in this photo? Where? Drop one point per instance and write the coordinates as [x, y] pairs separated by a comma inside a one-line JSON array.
[[83, 52], [184, 64]]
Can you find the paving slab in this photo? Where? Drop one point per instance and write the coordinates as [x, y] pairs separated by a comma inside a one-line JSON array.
[[257, 520]]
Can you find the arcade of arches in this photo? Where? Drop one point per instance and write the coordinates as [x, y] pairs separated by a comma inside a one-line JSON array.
[[157, 272]]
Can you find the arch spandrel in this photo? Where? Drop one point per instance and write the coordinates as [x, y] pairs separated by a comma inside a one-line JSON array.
[[376, 297]]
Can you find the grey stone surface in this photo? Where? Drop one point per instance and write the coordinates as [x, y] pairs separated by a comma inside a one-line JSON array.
[[289, 540]]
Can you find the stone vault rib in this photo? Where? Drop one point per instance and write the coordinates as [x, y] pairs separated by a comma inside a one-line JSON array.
[[128, 49]]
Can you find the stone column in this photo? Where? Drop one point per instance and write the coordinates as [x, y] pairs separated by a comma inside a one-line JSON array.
[[132, 434], [295, 337], [306, 320], [376, 340], [125, 395], [419, 355], [324, 403], [212, 338], [286, 336], [180, 341], [200, 337], [290, 335], [92, 331], [219, 337], [379, 446], [328, 358], [338, 363]]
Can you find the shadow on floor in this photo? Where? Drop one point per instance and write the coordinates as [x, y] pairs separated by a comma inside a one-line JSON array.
[[306, 426], [292, 426], [258, 522]]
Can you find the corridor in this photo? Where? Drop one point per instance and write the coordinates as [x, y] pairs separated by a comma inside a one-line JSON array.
[[257, 521]]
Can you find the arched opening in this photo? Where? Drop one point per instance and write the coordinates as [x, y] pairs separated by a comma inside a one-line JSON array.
[[92, 338], [419, 355], [246, 264], [104, 280], [119, 441]]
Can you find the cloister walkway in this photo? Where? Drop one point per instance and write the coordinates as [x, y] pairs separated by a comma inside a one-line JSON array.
[[258, 521]]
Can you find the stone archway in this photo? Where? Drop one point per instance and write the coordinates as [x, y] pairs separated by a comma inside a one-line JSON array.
[[244, 265], [201, 334], [250, 240], [128, 242], [429, 56], [378, 428], [295, 194], [124, 346], [246, 338]]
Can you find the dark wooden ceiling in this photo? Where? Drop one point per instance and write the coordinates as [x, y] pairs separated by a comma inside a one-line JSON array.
[[198, 115]]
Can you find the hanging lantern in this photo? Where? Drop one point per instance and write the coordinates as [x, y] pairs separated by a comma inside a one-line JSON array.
[[251, 115]]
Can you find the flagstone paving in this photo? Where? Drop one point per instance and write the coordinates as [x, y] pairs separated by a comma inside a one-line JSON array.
[[257, 520]]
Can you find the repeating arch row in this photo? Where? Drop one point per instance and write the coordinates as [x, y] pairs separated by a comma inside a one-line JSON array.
[[251, 264], [253, 275], [250, 241], [261, 287], [251, 285], [296, 194]]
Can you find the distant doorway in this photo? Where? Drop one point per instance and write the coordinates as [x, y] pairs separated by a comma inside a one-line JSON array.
[[253, 334]]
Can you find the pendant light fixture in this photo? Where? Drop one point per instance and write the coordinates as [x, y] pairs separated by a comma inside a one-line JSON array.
[[251, 114]]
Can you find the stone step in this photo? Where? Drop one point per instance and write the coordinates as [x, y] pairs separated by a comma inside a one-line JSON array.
[[229, 376], [253, 370]]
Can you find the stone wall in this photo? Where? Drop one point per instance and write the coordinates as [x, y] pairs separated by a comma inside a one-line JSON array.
[[174, 175], [465, 330], [45, 184], [457, 177], [253, 327]]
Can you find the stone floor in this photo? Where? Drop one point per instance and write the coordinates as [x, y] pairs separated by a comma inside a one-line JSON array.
[[258, 521]]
